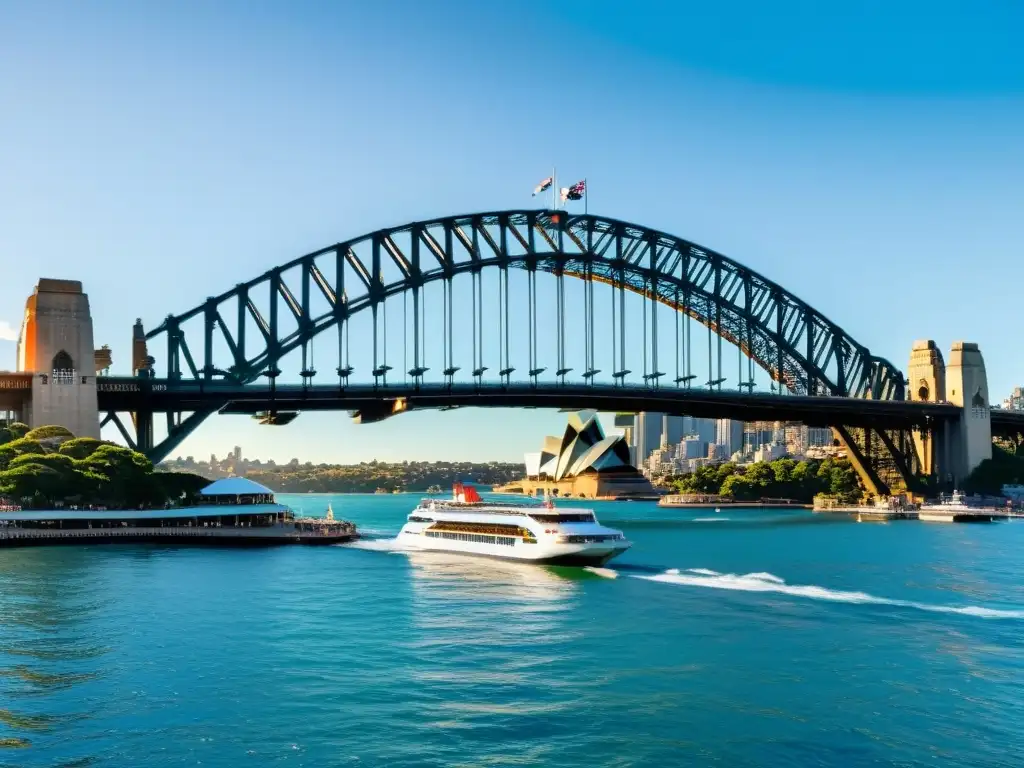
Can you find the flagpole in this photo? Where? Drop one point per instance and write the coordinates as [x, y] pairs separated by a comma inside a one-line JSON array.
[[554, 187], [586, 195]]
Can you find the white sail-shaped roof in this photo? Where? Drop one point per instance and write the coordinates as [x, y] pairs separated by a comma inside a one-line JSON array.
[[582, 447], [600, 456]]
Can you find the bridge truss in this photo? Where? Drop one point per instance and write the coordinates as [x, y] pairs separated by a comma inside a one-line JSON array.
[[464, 265]]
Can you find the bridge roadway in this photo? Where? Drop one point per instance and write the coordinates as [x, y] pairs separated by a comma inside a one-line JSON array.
[[126, 394]]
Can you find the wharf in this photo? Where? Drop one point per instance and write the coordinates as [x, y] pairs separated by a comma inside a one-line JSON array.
[[877, 515], [191, 535], [234, 512]]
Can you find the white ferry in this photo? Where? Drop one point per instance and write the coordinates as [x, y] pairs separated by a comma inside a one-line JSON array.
[[466, 524]]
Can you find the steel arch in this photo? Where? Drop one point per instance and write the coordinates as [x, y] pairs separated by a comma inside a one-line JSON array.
[[793, 342]]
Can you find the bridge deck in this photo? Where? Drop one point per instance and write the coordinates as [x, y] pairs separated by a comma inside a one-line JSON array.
[[130, 394]]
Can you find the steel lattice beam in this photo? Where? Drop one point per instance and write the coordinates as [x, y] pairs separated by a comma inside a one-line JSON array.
[[799, 347], [796, 344]]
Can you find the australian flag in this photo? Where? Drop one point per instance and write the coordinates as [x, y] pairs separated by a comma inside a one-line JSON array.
[[575, 192]]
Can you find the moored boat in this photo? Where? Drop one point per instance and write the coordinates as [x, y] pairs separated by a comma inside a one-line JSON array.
[[466, 524]]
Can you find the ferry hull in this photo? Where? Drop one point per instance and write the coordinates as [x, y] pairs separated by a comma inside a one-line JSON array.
[[559, 554]]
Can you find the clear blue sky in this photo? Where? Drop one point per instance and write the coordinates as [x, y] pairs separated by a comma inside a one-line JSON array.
[[867, 156]]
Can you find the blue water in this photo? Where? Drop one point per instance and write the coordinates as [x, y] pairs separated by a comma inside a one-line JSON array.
[[742, 638]]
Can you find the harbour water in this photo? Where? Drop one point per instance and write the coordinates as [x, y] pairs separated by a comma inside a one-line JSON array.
[[742, 638]]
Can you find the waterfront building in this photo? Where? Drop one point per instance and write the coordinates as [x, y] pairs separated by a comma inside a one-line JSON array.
[[583, 463], [233, 510]]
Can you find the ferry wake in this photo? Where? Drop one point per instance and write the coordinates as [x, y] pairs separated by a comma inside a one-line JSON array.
[[535, 533]]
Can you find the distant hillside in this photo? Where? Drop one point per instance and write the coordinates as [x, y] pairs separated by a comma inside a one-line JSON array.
[[368, 477]]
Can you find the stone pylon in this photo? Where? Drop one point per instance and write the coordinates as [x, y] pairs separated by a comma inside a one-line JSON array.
[[56, 345], [967, 387], [926, 375]]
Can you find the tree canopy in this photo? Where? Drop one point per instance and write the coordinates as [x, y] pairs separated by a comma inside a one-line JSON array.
[[56, 468], [15, 429], [780, 479], [42, 433]]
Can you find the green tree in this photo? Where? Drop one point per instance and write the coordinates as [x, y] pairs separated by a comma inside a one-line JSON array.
[[30, 483], [17, 448], [61, 484], [181, 486], [5, 435], [741, 488], [844, 483], [725, 471], [127, 475], [52, 460], [761, 474], [81, 447], [18, 429], [48, 431], [782, 478]]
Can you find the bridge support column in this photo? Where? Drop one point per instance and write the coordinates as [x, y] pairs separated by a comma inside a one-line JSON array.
[[927, 377], [143, 431], [56, 345], [860, 458], [967, 385]]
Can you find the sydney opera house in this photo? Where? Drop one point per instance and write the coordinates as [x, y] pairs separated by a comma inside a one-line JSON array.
[[583, 463]]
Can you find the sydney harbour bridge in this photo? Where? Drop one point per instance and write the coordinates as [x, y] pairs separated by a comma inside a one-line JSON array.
[[532, 308]]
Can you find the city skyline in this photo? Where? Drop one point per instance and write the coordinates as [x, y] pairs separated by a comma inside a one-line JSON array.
[[159, 178]]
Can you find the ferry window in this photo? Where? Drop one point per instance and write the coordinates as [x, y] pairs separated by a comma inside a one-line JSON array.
[[570, 517]]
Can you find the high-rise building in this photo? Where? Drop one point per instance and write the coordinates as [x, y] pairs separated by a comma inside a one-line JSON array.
[[1015, 402], [705, 429], [819, 436], [692, 447], [647, 435], [729, 435], [673, 428], [795, 439], [237, 453]]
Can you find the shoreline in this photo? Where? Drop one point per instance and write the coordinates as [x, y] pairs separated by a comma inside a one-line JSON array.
[[735, 504]]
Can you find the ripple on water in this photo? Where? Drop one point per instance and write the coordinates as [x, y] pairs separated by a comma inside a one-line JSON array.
[[767, 644]]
